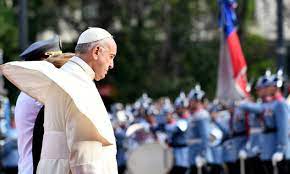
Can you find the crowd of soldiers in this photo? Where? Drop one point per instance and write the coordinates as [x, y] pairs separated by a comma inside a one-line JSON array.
[[241, 136]]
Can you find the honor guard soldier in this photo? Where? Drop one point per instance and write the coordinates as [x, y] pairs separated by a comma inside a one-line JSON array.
[[235, 138], [120, 133], [217, 117], [165, 111], [176, 131], [120, 125], [198, 132], [253, 146], [275, 123]]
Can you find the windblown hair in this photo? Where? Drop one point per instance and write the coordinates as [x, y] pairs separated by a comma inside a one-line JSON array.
[[60, 59]]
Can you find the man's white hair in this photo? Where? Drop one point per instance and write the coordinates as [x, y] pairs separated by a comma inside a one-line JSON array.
[[85, 47]]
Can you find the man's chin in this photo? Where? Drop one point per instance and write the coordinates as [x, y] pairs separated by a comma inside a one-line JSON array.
[[100, 78]]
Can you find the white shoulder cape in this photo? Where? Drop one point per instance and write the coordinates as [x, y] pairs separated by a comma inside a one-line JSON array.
[[35, 77]]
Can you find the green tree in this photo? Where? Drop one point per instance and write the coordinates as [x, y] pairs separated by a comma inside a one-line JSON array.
[[9, 38], [164, 46]]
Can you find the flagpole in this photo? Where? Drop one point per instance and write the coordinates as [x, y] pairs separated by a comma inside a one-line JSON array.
[[23, 37], [281, 50]]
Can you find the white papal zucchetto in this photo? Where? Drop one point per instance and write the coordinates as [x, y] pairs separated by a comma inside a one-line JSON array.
[[93, 34]]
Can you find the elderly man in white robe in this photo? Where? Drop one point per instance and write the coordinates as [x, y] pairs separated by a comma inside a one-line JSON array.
[[78, 135]]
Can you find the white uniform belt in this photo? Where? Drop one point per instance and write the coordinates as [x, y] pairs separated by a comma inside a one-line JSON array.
[[194, 141], [54, 145], [256, 130]]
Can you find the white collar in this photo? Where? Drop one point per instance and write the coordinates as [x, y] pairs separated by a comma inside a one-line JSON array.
[[88, 70]]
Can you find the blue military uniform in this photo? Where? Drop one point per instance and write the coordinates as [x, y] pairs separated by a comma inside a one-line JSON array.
[[217, 153], [165, 111], [220, 119], [253, 146], [199, 136], [275, 119], [217, 150], [5, 124], [176, 132], [9, 154], [235, 133], [287, 156], [198, 132], [254, 142], [120, 135], [275, 134]]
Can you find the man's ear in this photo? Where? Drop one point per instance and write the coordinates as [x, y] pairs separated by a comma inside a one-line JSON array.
[[96, 52]]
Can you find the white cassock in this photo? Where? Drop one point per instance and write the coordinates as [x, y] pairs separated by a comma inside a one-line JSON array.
[[78, 135]]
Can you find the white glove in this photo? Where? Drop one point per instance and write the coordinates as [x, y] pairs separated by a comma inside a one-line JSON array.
[[238, 103], [242, 154], [199, 161], [277, 157]]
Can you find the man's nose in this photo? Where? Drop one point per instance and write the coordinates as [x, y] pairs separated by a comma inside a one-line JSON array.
[[111, 65]]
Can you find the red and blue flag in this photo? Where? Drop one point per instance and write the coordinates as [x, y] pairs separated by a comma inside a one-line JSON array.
[[232, 77]]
